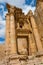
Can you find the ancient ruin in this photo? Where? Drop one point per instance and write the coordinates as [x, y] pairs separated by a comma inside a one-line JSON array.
[[24, 37]]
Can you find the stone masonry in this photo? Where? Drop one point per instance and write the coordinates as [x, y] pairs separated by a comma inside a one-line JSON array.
[[23, 44]]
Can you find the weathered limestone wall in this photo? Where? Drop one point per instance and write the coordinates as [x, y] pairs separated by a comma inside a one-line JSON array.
[[39, 18], [36, 34]]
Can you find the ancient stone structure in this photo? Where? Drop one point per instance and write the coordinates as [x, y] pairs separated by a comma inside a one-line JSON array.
[[23, 45], [39, 18]]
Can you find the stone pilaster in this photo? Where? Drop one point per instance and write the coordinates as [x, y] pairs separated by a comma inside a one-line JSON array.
[[36, 34], [32, 46], [30, 42], [13, 34]]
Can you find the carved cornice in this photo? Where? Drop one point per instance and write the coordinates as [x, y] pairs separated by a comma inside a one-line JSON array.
[[13, 9]]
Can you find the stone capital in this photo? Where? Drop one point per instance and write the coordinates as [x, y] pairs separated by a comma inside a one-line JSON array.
[[10, 8]]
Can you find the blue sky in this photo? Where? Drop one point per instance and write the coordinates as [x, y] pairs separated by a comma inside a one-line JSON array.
[[25, 5]]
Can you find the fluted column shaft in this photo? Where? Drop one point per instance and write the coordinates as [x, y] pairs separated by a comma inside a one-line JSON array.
[[7, 41], [13, 34], [7, 29]]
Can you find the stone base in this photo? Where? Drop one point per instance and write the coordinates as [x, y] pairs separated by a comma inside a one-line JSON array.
[[23, 60], [16, 59], [39, 54]]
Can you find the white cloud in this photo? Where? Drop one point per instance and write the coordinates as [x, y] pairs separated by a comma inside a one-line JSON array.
[[1, 1], [27, 8], [2, 27], [2, 30], [17, 3], [4, 14], [20, 4]]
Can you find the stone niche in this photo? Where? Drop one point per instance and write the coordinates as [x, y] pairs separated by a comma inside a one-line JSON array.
[[22, 42]]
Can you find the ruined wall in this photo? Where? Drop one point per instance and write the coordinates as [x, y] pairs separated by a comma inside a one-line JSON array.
[[39, 18], [2, 52]]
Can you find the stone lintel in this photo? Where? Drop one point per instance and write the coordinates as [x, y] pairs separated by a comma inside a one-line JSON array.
[[24, 31]]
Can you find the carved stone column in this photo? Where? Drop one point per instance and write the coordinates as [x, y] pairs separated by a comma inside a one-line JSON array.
[[13, 34], [36, 34], [7, 41], [7, 29]]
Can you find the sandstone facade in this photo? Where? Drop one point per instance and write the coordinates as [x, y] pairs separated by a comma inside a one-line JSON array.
[[23, 44]]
